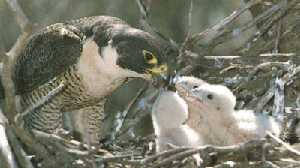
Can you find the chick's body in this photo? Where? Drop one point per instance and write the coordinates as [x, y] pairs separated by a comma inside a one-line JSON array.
[[168, 115], [212, 115]]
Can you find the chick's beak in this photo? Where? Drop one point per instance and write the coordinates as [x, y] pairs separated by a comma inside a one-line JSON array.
[[196, 96]]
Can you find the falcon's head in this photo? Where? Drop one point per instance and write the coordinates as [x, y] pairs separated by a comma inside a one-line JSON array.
[[125, 53], [131, 53], [140, 52]]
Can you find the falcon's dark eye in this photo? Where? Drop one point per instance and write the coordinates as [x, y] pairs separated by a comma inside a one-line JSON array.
[[149, 57], [194, 87], [210, 96]]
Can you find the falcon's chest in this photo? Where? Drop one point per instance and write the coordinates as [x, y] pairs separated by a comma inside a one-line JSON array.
[[100, 74], [90, 80]]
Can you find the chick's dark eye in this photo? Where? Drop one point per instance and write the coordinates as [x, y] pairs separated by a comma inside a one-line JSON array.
[[210, 96], [194, 87]]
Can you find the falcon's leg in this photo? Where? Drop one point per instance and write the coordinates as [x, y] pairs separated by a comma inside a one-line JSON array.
[[88, 123]]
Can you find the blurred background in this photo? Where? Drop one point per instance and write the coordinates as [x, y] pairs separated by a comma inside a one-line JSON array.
[[168, 16]]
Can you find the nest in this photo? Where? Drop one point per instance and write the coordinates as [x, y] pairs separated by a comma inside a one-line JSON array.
[[261, 66]]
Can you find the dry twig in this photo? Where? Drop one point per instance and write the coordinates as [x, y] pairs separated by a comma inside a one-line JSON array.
[[27, 29], [123, 115], [287, 146]]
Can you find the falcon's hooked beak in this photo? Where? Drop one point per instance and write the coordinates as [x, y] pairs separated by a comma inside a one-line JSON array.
[[160, 70], [159, 74]]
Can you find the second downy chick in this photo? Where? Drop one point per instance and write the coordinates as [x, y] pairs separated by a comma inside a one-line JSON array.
[[219, 123]]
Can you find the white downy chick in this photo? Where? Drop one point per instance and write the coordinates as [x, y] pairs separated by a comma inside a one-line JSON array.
[[219, 123], [184, 84], [169, 114]]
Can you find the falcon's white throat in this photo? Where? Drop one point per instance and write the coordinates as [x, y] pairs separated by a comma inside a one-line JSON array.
[[101, 74]]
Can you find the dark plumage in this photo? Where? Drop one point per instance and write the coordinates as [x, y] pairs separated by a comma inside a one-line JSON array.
[[55, 48], [90, 57]]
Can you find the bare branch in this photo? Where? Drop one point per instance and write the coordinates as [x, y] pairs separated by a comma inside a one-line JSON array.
[[163, 154], [277, 54], [190, 18], [21, 18], [189, 33], [25, 25], [222, 27], [138, 111], [144, 18], [21, 156], [144, 7], [211, 155], [7, 158], [120, 120], [27, 28], [287, 146]]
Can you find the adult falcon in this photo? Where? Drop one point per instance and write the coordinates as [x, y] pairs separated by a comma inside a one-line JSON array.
[[86, 60]]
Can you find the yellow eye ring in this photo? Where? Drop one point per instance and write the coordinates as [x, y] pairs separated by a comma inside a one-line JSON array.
[[150, 58]]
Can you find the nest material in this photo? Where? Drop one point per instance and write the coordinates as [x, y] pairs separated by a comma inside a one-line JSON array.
[[265, 76]]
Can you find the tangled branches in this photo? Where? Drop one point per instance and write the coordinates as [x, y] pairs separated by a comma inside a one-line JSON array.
[[261, 68]]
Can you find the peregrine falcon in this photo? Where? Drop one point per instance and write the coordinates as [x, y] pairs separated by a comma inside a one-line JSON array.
[[88, 59]]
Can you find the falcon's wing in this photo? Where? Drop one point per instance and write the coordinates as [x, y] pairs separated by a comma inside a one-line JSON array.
[[47, 54], [52, 50]]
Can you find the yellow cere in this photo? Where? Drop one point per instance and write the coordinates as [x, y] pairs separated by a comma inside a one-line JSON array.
[[159, 69], [150, 58]]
